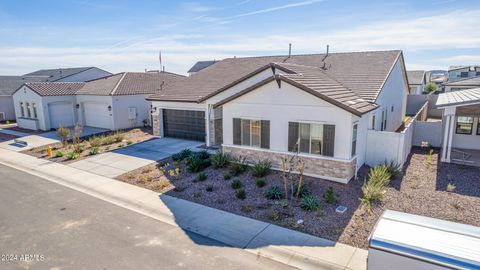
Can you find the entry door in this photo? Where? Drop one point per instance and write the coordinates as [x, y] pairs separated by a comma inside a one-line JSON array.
[[61, 114]]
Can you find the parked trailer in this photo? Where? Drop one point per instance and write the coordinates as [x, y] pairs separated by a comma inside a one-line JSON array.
[[404, 241]]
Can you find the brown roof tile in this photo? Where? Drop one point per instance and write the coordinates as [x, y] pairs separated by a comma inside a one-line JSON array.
[[55, 88]]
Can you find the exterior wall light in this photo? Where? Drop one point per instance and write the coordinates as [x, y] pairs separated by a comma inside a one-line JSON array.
[[77, 106], [109, 108]]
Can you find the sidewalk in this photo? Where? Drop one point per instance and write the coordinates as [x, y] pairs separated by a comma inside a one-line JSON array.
[[287, 246]]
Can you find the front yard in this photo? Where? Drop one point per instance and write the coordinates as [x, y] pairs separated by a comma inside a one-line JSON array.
[[6, 137], [70, 152], [444, 191]]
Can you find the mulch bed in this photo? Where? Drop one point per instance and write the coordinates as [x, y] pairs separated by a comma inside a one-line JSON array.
[[421, 190], [132, 136]]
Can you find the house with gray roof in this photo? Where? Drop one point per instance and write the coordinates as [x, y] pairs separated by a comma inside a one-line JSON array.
[[199, 66], [466, 83], [417, 79], [76, 74], [316, 106], [113, 102]]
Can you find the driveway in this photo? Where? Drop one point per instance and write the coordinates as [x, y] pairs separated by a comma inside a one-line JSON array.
[[40, 139], [120, 161]]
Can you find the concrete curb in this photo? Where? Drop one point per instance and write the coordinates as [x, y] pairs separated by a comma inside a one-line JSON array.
[[263, 239]]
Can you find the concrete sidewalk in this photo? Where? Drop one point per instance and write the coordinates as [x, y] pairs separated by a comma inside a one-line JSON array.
[[287, 246]]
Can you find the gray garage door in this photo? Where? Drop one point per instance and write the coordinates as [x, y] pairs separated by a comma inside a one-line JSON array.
[[184, 124]]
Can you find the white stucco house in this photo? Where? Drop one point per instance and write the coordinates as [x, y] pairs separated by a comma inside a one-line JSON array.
[[75, 74], [417, 79], [319, 106], [113, 102]]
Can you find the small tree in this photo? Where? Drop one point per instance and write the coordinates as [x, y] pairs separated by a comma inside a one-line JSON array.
[[64, 134], [431, 87], [77, 134], [289, 166]]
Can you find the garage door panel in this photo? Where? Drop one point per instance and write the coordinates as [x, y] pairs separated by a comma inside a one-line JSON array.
[[184, 124], [96, 115], [61, 115]]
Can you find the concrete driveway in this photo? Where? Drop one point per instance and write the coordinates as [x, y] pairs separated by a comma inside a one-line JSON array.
[[120, 161], [41, 139]]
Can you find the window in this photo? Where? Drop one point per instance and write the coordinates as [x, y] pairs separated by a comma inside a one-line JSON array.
[[464, 74], [34, 106], [254, 133], [373, 122], [29, 114], [317, 139], [354, 139], [22, 109], [464, 125], [478, 126], [384, 120], [392, 108]]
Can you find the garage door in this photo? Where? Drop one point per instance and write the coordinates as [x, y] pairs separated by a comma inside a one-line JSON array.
[[61, 114], [96, 115], [184, 124]]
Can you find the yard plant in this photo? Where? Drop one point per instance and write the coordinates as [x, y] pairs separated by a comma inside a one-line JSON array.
[[220, 160], [202, 177], [310, 203], [73, 155], [236, 184], [274, 193], [241, 194], [330, 196], [196, 164], [260, 182], [94, 151], [59, 153], [394, 169], [238, 166], [64, 134], [261, 168], [374, 188]]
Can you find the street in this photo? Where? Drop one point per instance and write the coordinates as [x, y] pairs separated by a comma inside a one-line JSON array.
[[47, 226]]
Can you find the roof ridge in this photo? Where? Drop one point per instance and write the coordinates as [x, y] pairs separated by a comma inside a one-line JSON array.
[[463, 79], [118, 83]]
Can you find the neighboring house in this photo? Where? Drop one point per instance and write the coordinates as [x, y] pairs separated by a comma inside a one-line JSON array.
[[8, 85], [461, 123], [77, 74], [467, 83], [199, 66], [417, 79], [462, 72], [266, 107], [113, 102]]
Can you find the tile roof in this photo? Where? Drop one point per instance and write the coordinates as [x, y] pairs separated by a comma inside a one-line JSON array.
[[460, 97], [415, 77], [55, 88], [201, 65], [130, 83], [9, 84], [58, 73], [473, 81], [362, 72]]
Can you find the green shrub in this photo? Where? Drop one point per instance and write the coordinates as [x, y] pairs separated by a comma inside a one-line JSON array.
[[201, 177], [64, 134], [304, 191], [238, 166], [274, 193], [393, 168], [121, 145], [236, 184], [185, 153], [94, 151], [273, 215], [59, 153], [330, 196], [195, 164], [129, 142], [95, 141], [241, 194], [260, 182], [118, 136], [261, 168], [177, 157], [374, 188], [227, 177], [451, 187], [430, 87], [203, 154], [73, 155], [209, 188], [310, 203], [220, 160]]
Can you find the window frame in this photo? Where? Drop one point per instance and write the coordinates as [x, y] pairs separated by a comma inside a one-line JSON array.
[[354, 138], [22, 109], [29, 113], [478, 125], [322, 146], [34, 109], [457, 125], [250, 126]]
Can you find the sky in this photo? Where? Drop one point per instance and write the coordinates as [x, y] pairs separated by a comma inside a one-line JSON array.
[[123, 35]]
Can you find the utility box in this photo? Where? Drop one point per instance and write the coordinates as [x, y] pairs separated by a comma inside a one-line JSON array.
[[404, 241], [132, 113]]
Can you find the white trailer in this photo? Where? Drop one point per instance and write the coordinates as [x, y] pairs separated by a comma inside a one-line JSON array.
[[404, 241]]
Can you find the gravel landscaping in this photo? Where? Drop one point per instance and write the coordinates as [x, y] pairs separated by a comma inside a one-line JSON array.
[[422, 190], [6, 137], [62, 153]]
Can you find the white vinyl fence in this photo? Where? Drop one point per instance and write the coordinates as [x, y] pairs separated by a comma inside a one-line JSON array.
[[428, 133]]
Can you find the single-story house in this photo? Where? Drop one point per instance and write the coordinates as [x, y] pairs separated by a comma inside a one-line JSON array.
[[113, 102], [461, 123], [318, 106], [468, 83], [8, 85], [76, 74], [417, 79], [462, 72]]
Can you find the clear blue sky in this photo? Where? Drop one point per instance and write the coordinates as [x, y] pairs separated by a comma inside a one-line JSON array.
[[121, 35]]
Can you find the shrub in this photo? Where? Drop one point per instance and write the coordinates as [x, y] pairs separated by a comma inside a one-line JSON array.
[[201, 177], [129, 142], [94, 151], [160, 184], [121, 145], [59, 153], [273, 215], [238, 166], [143, 178], [310, 203], [274, 193], [185, 153], [118, 136], [451, 187], [431, 87], [177, 157], [393, 168], [241, 194], [203, 154], [374, 188], [209, 188], [147, 170], [95, 141], [195, 164], [304, 190], [64, 134], [260, 182], [283, 203], [261, 168], [227, 177], [330, 196], [220, 160], [247, 208], [236, 184], [73, 155]]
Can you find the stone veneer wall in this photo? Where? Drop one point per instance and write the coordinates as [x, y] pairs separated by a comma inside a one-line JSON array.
[[216, 132], [156, 125], [329, 169]]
